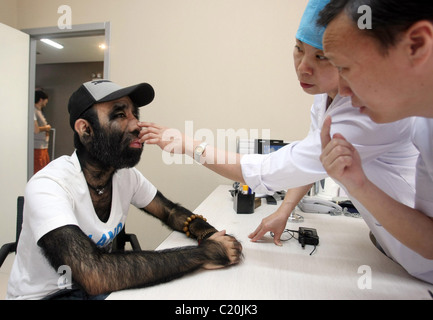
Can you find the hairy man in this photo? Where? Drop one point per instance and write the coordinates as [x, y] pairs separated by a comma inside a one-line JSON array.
[[77, 205]]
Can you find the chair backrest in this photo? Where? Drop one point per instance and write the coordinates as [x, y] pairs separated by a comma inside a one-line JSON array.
[[20, 210], [8, 248]]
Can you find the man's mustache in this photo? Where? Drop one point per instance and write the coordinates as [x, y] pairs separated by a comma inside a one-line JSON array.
[[129, 137]]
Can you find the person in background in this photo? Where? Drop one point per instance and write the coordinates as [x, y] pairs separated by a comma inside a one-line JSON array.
[[42, 133], [387, 70], [388, 154]]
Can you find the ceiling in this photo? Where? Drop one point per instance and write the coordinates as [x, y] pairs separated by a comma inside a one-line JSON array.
[[78, 49]]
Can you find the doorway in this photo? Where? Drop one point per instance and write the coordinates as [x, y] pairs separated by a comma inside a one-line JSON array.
[[59, 73]]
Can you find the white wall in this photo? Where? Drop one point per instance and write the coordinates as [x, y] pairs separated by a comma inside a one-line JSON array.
[[14, 68], [219, 63]]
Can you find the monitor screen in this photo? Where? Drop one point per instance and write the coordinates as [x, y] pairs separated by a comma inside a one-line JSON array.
[[269, 146]]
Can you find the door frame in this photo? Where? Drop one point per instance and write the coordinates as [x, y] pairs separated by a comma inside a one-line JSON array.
[[81, 30]]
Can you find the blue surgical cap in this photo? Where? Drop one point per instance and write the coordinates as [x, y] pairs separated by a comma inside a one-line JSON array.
[[309, 32]]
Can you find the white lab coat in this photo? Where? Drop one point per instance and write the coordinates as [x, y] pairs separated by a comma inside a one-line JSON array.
[[422, 135], [389, 161]]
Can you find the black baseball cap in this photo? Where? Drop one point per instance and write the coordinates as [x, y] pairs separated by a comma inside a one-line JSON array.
[[99, 91]]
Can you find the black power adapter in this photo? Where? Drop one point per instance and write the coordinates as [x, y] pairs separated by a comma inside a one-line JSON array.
[[308, 236]]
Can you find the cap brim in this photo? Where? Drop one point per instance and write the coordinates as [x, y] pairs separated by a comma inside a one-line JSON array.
[[141, 94]]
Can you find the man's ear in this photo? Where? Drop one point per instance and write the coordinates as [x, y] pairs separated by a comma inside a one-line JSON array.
[[83, 128], [419, 40]]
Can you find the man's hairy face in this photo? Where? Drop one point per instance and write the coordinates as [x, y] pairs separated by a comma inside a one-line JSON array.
[[114, 140]]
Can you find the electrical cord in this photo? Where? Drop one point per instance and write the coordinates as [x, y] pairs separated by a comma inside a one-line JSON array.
[[291, 233]]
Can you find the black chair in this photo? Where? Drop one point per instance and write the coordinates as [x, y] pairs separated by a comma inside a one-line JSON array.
[[121, 239], [12, 247]]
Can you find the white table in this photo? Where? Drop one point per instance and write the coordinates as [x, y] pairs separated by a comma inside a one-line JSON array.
[[269, 272]]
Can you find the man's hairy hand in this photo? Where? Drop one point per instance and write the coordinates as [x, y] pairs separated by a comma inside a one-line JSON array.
[[221, 250]]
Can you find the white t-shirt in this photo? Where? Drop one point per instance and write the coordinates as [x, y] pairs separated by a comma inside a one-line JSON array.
[[58, 196], [389, 161]]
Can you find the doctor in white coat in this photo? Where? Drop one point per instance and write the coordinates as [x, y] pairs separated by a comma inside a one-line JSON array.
[[388, 155], [388, 73]]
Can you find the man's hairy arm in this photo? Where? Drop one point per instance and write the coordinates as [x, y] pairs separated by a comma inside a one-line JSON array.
[[174, 216], [99, 272]]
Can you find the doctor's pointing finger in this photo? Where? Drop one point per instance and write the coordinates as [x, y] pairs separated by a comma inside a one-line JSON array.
[[340, 158]]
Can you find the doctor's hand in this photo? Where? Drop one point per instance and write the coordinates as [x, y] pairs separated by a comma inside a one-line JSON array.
[[275, 223], [169, 140], [341, 160]]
